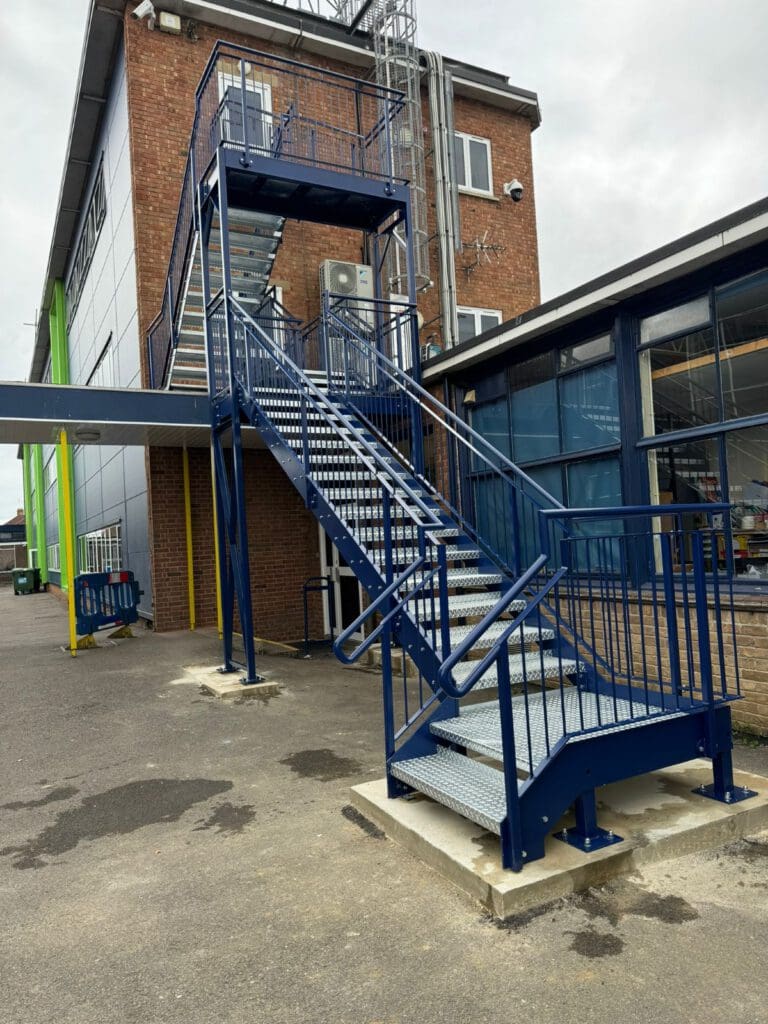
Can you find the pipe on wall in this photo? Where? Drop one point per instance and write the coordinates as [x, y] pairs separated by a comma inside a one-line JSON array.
[[440, 90]]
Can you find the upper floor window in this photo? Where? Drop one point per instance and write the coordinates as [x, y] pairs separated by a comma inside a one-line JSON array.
[[706, 362], [473, 321], [89, 236], [473, 164]]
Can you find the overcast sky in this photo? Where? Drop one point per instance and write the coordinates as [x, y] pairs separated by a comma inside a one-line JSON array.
[[653, 125]]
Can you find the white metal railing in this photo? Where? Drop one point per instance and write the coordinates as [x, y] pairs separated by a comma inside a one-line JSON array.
[[101, 550]]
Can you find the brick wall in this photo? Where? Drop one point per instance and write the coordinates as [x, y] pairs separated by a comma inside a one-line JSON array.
[[283, 546], [604, 621], [163, 72], [510, 282]]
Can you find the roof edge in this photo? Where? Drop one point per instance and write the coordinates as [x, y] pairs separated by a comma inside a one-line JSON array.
[[698, 248]]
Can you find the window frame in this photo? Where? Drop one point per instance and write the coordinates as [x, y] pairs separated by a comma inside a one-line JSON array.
[[465, 138], [561, 459], [227, 80], [100, 363], [88, 239], [478, 312]]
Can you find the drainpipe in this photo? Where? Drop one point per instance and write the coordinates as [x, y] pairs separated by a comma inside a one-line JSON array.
[[440, 89]]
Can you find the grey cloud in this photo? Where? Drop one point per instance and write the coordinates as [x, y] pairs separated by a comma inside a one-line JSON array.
[[654, 124]]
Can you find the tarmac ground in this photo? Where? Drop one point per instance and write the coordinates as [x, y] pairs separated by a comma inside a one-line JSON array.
[[169, 857]]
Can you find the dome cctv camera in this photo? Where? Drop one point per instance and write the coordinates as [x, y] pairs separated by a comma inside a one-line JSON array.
[[514, 189], [146, 9]]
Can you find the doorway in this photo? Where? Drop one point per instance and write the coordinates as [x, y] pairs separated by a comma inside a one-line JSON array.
[[347, 590]]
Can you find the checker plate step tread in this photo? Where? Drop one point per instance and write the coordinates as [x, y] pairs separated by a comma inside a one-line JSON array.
[[470, 788]]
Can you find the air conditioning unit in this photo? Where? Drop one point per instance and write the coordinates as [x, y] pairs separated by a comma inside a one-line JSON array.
[[352, 279], [351, 284]]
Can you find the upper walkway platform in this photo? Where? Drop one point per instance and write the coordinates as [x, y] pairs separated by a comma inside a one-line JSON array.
[[300, 141], [35, 413]]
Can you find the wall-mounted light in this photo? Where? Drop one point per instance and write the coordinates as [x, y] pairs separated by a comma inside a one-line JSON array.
[[87, 436], [470, 397], [168, 22]]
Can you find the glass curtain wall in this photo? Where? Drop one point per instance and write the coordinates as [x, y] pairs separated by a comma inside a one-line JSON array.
[[557, 416], [704, 364]]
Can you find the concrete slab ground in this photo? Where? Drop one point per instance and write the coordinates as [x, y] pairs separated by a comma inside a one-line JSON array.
[[170, 858], [658, 817]]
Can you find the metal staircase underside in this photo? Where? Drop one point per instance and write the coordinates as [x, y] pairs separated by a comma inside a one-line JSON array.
[[254, 239]]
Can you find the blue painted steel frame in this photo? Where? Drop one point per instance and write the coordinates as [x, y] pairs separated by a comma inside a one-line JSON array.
[[387, 198]]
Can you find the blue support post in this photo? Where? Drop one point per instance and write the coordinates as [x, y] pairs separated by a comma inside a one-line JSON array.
[[670, 609], [417, 429], [587, 835], [719, 741], [512, 853]]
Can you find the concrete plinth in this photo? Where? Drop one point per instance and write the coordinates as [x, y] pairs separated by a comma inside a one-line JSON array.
[[229, 687], [657, 814]]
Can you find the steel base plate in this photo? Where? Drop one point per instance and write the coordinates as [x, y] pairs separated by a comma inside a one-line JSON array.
[[732, 796], [588, 844]]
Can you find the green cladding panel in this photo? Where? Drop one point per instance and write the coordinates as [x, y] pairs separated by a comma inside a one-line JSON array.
[[28, 511], [60, 375], [41, 544]]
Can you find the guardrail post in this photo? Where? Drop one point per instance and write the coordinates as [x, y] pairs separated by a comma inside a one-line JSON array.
[[244, 159], [719, 742], [305, 440], [670, 609], [512, 852]]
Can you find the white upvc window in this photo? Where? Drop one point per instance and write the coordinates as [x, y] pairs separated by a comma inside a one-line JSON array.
[[474, 321], [473, 164]]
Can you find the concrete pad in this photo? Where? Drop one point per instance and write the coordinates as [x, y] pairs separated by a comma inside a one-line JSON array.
[[230, 687], [227, 687], [657, 815]]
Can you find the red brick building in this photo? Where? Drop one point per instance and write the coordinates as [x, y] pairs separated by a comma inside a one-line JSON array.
[[107, 270]]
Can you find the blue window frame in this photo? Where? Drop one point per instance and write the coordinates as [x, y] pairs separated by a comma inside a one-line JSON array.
[[556, 416]]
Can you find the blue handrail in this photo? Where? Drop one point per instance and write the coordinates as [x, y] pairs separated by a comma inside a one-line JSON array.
[[372, 609], [408, 383], [333, 414], [457, 655]]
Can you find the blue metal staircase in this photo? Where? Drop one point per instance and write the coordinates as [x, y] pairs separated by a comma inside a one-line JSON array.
[[530, 653]]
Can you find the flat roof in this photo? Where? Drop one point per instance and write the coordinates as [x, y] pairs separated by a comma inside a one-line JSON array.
[[708, 245], [268, 21]]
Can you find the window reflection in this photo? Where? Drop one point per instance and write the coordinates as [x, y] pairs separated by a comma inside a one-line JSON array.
[[742, 315]]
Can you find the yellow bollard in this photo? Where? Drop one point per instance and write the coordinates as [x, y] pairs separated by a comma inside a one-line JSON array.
[[188, 529]]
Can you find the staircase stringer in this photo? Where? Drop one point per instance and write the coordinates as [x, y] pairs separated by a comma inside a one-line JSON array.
[[407, 634]]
